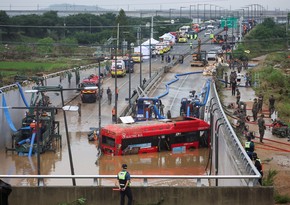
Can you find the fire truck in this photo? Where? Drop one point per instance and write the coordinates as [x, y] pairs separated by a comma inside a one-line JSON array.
[[89, 93]]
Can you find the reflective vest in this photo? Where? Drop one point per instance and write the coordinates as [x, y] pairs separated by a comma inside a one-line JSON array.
[[247, 145], [122, 179], [211, 36]]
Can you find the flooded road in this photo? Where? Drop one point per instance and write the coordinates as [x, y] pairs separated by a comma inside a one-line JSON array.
[[84, 153]]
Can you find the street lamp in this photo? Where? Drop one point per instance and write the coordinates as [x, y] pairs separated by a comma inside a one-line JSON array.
[[182, 7], [130, 56], [67, 138], [150, 25], [210, 11], [198, 12], [190, 10], [140, 45], [204, 12], [99, 59], [116, 87], [170, 10]]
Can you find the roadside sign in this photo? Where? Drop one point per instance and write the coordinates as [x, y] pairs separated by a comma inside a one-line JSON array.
[[229, 22]]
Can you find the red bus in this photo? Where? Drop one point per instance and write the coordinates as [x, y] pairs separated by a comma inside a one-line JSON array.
[[155, 136]]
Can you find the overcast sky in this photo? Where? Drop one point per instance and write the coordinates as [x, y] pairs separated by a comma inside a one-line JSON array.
[[145, 4]]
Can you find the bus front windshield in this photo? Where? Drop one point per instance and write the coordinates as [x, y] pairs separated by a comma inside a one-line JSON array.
[[108, 141]]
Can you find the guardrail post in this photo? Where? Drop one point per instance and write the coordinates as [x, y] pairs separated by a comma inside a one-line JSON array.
[[40, 182], [96, 181], [145, 183], [198, 184], [251, 182]]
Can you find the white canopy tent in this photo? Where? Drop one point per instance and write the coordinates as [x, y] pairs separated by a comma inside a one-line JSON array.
[[152, 41], [167, 37], [144, 51]]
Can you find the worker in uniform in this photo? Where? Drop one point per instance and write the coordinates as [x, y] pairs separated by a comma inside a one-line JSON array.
[[260, 102], [109, 93], [238, 97], [226, 79], [234, 85], [258, 165], [250, 147], [255, 110], [168, 114], [190, 45], [124, 181], [262, 127], [211, 36], [271, 105], [114, 114]]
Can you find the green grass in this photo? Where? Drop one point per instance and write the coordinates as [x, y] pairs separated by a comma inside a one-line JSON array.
[[30, 66]]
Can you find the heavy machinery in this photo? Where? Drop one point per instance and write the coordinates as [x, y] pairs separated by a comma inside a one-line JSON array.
[[89, 93], [39, 129], [199, 57]]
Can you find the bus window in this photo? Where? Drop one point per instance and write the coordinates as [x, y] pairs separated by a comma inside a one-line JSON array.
[[186, 137], [142, 142], [108, 141]]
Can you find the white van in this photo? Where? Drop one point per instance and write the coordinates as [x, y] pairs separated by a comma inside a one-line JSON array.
[[210, 27]]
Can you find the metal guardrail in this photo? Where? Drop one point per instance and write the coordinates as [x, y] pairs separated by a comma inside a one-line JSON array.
[[240, 158], [97, 179], [52, 75]]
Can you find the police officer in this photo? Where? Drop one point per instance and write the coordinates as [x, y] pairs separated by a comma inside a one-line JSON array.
[[250, 147], [262, 127], [258, 165], [124, 185], [255, 110]]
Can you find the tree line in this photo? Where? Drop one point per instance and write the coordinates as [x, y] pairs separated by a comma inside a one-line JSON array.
[[50, 32]]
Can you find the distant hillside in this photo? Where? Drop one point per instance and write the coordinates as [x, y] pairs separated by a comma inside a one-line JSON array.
[[72, 7]]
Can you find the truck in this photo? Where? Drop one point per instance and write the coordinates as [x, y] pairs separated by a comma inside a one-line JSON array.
[[89, 92], [199, 57], [129, 65]]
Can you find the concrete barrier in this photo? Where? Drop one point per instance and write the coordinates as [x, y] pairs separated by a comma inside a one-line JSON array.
[[144, 195]]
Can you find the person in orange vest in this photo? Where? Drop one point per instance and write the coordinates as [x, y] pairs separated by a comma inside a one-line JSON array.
[[117, 93], [114, 114]]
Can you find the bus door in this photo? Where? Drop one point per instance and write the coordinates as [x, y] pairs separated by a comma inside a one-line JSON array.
[[164, 143]]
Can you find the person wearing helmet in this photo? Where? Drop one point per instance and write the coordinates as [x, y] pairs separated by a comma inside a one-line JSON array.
[[258, 165], [124, 185]]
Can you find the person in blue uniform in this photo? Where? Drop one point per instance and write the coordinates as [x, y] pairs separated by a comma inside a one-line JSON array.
[[124, 185]]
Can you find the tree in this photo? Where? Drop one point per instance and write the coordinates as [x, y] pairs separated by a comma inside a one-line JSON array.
[[4, 18]]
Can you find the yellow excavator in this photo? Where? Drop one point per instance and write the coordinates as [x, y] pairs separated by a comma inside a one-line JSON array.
[[199, 57]]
